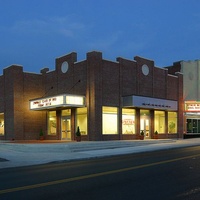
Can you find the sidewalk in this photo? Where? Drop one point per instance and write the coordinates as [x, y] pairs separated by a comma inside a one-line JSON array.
[[20, 153]]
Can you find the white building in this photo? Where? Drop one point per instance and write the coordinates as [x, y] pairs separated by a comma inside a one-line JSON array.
[[191, 95]]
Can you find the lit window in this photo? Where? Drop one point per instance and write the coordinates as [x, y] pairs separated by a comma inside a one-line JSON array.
[[159, 122], [128, 121], [172, 122], [1, 124], [52, 123], [81, 120], [109, 120]]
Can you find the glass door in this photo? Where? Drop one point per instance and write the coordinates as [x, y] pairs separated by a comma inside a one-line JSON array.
[[144, 126], [66, 128], [145, 122]]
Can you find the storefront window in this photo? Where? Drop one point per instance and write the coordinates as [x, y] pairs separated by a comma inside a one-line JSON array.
[[128, 121], [189, 126], [159, 121], [172, 122], [109, 120], [1, 124], [52, 123], [193, 126], [81, 120]]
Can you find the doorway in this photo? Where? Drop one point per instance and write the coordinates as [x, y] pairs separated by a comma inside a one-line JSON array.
[[66, 128], [145, 123]]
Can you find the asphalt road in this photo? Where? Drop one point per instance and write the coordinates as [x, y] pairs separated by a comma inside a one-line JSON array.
[[167, 174]]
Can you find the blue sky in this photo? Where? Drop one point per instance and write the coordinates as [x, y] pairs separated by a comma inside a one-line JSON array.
[[34, 33]]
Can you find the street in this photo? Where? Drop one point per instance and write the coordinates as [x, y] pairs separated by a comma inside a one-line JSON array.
[[166, 174]]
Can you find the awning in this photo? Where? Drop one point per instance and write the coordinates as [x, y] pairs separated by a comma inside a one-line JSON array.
[[148, 102]]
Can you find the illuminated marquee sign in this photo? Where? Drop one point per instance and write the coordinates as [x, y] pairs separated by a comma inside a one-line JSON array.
[[192, 106], [74, 100], [46, 102], [57, 101]]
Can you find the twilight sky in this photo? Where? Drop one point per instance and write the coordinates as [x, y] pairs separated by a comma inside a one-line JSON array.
[[35, 32]]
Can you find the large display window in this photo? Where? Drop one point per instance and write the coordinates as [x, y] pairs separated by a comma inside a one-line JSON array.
[[52, 123], [81, 120], [128, 121], [159, 121], [109, 120], [172, 122], [1, 124]]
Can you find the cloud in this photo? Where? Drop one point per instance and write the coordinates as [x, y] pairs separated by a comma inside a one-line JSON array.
[[56, 25], [105, 42]]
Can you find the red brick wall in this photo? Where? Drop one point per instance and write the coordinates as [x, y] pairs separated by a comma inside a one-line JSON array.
[[180, 105], [172, 87], [175, 68], [65, 81], [128, 76], [20, 87], [33, 120], [145, 83], [110, 84], [159, 83], [94, 95], [13, 99]]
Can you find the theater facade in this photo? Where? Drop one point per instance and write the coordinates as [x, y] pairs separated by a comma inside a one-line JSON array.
[[107, 100], [191, 95]]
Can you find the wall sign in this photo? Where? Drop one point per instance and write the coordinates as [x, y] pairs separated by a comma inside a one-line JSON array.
[[192, 106]]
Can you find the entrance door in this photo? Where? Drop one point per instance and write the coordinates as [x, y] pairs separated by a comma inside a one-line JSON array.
[[145, 126], [66, 128]]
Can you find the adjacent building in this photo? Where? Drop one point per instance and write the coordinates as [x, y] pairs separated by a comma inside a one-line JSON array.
[[191, 95], [108, 100]]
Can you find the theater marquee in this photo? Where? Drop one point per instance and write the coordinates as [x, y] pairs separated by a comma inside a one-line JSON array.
[[65, 100], [192, 106]]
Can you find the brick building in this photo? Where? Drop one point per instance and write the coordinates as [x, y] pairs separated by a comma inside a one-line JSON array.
[[108, 100]]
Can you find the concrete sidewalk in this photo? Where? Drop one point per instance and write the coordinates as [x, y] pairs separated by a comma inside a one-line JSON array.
[[16, 154]]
